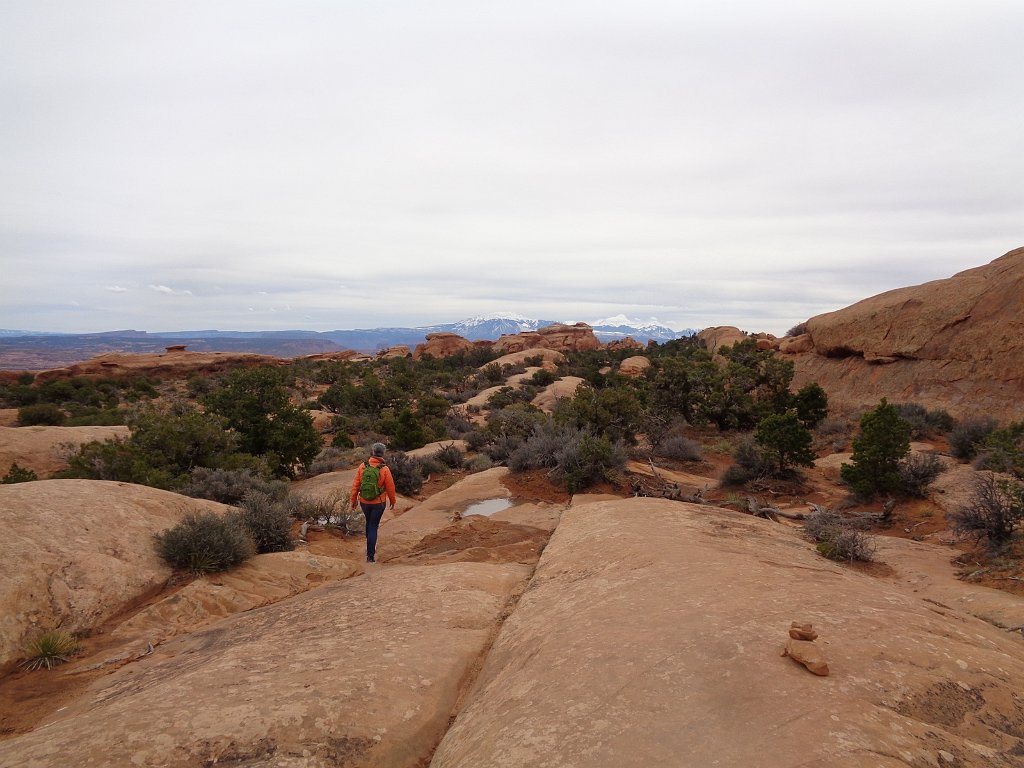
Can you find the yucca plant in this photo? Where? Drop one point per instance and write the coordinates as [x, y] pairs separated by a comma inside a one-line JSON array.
[[49, 650]]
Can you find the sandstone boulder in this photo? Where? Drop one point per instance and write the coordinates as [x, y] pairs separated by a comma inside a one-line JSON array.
[[720, 336], [956, 343], [578, 337], [399, 350], [627, 343], [442, 345], [626, 650], [76, 552], [45, 450], [634, 367]]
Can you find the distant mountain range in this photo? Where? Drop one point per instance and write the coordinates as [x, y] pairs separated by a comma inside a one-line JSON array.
[[33, 350]]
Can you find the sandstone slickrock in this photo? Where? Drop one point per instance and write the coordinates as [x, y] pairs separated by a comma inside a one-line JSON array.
[[364, 672], [262, 580], [516, 358], [650, 635], [399, 536], [956, 343], [552, 393], [167, 365], [76, 552], [44, 450]]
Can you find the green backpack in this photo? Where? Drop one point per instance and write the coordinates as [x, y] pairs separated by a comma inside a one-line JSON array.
[[370, 487]]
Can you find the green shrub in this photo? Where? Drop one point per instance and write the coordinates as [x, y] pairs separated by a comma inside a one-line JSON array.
[[476, 439], [735, 476], [479, 464], [587, 460], [543, 378], [431, 465], [1003, 450], [883, 442], [407, 472], [205, 542], [17, 474], [492, 373], [96, 417], [679, 448], [48, 650], [255, 404], [751, 464], [229, 486], [341, 440], [994, 510], [785, 441], [506, 396], [968, 435], [835, 539], [330, 460], [456, 425], [576, 458], [811, 403], [918, 471], [541, 448], [924, 422], [267, 521], [450, 456], [41, 414], [406, 431]]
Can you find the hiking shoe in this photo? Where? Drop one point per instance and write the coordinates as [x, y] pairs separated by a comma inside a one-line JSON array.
[[370, 560]]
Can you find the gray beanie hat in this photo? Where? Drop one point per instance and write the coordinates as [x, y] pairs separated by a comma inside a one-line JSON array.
[[378, 449]]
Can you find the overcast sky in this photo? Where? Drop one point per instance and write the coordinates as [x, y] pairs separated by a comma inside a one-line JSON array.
[[240, 164]]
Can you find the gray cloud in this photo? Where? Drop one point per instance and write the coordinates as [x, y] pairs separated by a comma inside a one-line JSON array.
[[368, 163]]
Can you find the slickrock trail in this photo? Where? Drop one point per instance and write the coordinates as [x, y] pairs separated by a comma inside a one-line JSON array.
[[649, 633]]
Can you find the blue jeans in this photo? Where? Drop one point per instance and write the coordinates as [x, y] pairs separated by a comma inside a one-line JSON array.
[[373, 513]]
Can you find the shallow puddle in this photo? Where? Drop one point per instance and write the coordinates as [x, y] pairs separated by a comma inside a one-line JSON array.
[[487, 507]]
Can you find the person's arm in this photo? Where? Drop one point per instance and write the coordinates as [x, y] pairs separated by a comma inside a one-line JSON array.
[[355, 486], [389, 485]]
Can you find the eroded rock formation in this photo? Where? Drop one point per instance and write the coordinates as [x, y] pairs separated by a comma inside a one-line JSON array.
[[442, 345], [956, 343], [172, 364]]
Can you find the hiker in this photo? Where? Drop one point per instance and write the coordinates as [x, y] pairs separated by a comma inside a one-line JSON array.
[[373, 486]]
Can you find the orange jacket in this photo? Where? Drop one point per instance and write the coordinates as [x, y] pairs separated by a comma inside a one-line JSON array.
[[385, 479]]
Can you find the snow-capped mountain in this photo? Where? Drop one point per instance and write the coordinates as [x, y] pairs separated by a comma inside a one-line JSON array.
[[493, 326], [620, 326]]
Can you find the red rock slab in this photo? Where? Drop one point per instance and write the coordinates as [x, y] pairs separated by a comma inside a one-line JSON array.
[[659, 645], [364, 672], [75, 553]]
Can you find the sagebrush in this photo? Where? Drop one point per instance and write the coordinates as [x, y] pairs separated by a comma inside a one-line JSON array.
[[205, 542]]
